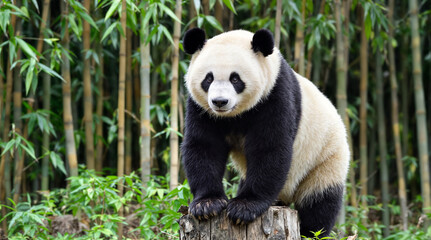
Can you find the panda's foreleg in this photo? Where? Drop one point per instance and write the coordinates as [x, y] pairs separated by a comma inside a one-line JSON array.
[[267, 165], [205, 154], [205, 162]]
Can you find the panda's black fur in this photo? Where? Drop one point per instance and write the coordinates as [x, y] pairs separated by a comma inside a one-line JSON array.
[[269, 130]]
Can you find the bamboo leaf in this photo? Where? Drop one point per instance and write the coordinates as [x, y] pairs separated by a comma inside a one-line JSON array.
[[214, 23], [15, 217], [29, 149], [112, 9], [167, 34], [50, 71], [87, 18], [109, 30], [36, 5], [8, 146], [25, 47], [29, 75], [229, 5], [169, 12], [212, 3], [21, 12], [197, 6]]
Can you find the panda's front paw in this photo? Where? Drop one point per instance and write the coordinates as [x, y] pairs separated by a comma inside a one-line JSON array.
[[207, 207], [242, 211]]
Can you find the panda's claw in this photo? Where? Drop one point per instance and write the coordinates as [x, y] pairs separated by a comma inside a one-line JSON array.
[[207, 207], [242, 211]]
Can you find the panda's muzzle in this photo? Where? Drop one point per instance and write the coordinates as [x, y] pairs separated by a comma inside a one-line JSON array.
[[220, 102]]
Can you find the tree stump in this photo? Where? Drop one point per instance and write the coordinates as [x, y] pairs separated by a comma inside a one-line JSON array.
[[278, 223]]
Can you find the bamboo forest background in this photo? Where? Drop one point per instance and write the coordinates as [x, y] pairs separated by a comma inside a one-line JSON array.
[[92, 109]]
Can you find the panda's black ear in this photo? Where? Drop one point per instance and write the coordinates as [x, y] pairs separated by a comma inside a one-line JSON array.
[[263, 42], [194, 39]]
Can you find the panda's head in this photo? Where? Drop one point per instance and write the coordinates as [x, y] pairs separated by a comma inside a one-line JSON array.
[[231, 72]]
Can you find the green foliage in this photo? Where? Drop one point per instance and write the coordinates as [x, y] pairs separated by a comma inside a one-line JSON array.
[[96, 198], [373, 229], [27, 220]]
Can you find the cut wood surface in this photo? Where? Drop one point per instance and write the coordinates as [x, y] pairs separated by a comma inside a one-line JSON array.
[[277, 223]]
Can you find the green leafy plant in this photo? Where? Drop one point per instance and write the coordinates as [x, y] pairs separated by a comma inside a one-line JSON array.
[[27, 220]]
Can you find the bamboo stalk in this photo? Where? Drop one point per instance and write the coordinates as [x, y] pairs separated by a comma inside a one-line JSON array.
[[121, 108], [2, 159], [67, 99], [218, 13], [278, 23], [99, 112], [363, 112], [17, 113], [353, 192], [99, 78], [145, 143], [311, 50], [395, 122], [384, 172], [299, 42], [422, 132], [6, 158], [405, 100], [341, 76], [88, 98], [129, 95], [174, 168], [46, 95]]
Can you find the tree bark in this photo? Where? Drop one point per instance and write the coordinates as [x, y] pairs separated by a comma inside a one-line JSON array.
[[67, 99], [88, 98], [395, 122], [174, 168], [276, 223], [422, 132]]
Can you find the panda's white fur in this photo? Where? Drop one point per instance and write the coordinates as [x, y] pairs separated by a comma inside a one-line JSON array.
[[257, 71]]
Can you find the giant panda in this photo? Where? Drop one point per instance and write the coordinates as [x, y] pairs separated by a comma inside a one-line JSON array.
[[285, 137]]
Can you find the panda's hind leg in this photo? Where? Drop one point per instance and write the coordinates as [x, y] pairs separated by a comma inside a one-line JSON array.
[[319, 196], [319, 211]]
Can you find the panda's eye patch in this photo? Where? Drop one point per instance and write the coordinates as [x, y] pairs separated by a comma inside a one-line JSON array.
[[209, 78], [237, 83]]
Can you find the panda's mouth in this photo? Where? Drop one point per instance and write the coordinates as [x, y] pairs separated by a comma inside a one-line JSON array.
[[222, 110]]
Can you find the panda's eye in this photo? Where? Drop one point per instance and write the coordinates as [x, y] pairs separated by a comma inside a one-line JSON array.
[[234, 78], [209, 78]]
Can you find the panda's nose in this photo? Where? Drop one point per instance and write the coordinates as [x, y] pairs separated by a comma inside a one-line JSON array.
[[220, 102]]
